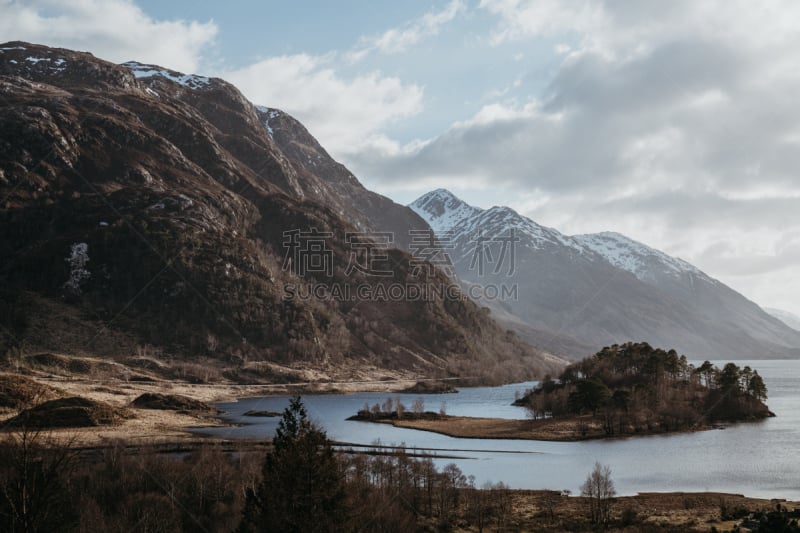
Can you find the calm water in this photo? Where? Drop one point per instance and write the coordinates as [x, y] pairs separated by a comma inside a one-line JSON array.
[[757, 459]]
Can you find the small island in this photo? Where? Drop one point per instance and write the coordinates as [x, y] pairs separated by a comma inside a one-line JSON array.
[[263, 414], [623, 390]]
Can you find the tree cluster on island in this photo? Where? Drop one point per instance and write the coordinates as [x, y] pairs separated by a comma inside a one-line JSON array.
[[635, 388], [395, 409]]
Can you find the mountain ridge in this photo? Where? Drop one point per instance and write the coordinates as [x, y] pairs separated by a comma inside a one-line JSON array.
[[594, 290]]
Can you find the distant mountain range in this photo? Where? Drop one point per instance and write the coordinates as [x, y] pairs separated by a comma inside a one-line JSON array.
[[144, 210], [576, 294]]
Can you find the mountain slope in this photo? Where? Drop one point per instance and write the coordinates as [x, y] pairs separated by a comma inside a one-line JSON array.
[[790, 319], [330, 182], [442, 210], [161, 209], [576, 294]]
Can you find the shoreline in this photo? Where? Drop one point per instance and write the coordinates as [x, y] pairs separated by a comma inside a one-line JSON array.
[[171, 431], [546, 430], [171, 426]]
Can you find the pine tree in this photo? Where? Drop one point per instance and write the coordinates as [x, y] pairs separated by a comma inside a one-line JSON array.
[[302, 489], [757, 388]]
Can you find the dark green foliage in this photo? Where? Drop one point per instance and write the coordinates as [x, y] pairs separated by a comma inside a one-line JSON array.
[[729, 377], [302, 489], [589, 395], [757, 388], [781, 520], [634, 387]]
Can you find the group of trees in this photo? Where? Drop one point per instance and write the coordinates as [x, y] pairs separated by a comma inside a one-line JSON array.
[[395, 409], [301, 485], [49, 485], [634, 387], [306, 487]]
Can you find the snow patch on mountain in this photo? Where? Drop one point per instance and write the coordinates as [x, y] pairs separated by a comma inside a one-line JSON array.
[[191, 81], [635, 257], [271, 114], [503, 222], [443, 210], [57, 64]]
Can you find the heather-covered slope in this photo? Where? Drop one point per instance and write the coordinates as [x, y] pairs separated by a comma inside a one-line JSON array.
[[151, 207]]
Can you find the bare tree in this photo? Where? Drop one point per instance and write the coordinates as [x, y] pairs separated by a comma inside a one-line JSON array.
[[599, 489], [34, 468], [419, 406], [399, 407], [388, 406]]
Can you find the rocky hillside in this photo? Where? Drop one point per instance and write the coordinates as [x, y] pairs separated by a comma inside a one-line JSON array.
[[141, 207], [576, 294]]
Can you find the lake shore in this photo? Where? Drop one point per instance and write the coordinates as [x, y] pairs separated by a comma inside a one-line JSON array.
[[576, 428], [174, 426], [540, 510]]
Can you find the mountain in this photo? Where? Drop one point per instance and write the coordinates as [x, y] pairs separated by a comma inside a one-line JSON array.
[[325, 180], [442, 210], [575, 294], [153, 213], [790, 319]]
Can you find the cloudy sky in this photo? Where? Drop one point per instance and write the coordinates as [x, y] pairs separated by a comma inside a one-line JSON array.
[[676, 123]]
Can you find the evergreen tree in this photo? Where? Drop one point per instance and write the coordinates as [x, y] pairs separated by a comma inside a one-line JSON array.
[[302, 489], [756, 387], [729, 378]]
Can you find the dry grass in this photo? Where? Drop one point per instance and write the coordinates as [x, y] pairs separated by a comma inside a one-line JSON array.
[[551, 429], [548, 511], [149, 425]]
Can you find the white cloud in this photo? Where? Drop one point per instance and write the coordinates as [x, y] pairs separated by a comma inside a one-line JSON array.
[[116, 30], [544, 17], [401, 39], [673, 122], [344, 114]]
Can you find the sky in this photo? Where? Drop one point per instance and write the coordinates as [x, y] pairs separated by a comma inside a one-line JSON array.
[[675, 123]]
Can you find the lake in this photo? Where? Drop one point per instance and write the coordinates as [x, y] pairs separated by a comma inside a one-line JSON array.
[[760, 459]]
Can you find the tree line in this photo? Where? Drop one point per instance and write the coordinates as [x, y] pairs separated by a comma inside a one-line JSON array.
[[634, 387], [302, 484]]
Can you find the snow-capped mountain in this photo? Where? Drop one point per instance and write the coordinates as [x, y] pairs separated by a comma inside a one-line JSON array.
[[578, 293], [637, 258], [442, 209]]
